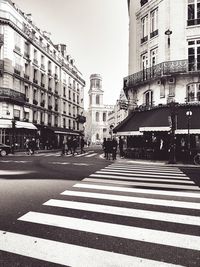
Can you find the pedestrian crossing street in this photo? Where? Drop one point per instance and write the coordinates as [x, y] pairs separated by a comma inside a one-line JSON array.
[[124, 215]]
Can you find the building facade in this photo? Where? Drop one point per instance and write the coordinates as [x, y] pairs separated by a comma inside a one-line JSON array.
[[97, 126], [164, 67], [41, 89]]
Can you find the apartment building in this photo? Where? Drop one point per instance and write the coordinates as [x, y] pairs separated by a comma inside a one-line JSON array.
[[41, 88], [163, 85]]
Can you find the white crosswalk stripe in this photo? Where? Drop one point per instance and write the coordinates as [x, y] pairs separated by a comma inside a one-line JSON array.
[[108, 204]]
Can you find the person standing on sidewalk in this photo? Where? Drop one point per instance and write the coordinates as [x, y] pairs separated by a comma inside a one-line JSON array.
[[82, 143], [121, 147], [114, 148]]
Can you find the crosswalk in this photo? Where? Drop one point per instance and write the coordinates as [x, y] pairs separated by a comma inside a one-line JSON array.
[[124, 215], [87, 154]]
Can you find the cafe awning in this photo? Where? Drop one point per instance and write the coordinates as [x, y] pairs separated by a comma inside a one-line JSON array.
[[5, 123], [158, 119]]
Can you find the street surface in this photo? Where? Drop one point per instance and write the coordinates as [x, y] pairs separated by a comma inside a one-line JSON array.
[[85, 211]]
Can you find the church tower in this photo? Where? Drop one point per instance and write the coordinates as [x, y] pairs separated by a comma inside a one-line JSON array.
[[97, 125]]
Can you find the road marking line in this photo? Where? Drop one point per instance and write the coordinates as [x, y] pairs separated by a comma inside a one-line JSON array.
[[109, 168], [135, 213], [14, 172], [70, 255], [136, 180], [138, 190], [131, 173], [149, 175], [116, 230], [141, 200], [161, 185], [91, 155], [80, 155], [143, 167]]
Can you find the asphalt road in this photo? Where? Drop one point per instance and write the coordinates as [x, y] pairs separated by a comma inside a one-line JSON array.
[[86, 211]]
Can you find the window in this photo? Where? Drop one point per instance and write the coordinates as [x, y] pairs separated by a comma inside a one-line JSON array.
[[64, 91], [193, 12], [69, 124], [194, 55], [35, 116], [154, 23], [193, 92], [64, 122], [97, 136], [90, 99], [144, 65], [97, 100], [104, 116], [16, 113], [154, 55], [17, 42], [148, 98], [144, 32], [97, 116]]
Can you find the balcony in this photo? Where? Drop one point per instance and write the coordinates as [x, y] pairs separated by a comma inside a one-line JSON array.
[[154, 33], [26, 76], [35, 102], [193, 22], [35, 61], [42, 67], [50, 107], [1, 39], [1, 67], [17, 71], [42, 103], [35, 81], [17, 49], [12, 95], [158, 71], [144, 39], [26, 55]]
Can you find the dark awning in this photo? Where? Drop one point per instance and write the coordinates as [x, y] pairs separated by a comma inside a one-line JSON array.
[[158, 120]]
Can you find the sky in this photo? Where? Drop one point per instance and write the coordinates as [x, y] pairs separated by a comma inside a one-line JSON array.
[[96, 35]]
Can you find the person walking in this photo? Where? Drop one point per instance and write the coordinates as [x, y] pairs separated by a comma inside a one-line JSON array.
[[82, 143], [74, 146], [114, 148], [121, 147], [69, 145], [104, 147]]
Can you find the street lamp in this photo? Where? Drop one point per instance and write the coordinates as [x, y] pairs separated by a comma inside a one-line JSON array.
[[173, 120], [189, 115], [168, 33]]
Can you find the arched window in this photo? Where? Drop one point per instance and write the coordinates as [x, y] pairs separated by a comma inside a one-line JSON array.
[[97, 100], [104, 116], [97, 116]]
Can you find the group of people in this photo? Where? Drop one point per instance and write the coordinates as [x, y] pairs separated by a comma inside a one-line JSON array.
[[71, 145], [110, 148], [30, 145]]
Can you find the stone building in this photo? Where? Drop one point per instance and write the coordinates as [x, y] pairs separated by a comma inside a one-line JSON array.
[[163, 85], [41, 88], [97, 126]]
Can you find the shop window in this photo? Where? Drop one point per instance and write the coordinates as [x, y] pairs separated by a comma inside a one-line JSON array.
[[193, 92]]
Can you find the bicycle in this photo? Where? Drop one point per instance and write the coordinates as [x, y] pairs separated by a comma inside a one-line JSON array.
[[197, 159]]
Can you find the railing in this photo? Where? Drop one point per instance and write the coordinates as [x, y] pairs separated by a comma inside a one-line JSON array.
[[144, 39], [153, 34], [1, 67], [1, 39], [26, 76], [35, 61], [160, 70], [192, 22], [35, 102], [16, 71], [12, 94], [35, 81]]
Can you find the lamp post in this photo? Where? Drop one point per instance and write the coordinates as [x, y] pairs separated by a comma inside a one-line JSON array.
[[189, 115], [172, 151], [168, 33]]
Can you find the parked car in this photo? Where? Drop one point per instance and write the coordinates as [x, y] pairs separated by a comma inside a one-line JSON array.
[[4, 150]]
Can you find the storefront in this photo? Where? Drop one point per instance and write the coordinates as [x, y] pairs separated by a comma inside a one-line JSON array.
[[148, 132]]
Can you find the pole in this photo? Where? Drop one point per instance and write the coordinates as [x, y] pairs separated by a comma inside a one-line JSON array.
[[172, 152]]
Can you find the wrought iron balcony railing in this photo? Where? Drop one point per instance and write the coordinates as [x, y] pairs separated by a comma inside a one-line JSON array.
[[160, 70], [154, 33], [192, 22], [12, 94], [143, 2], [1, 39]]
